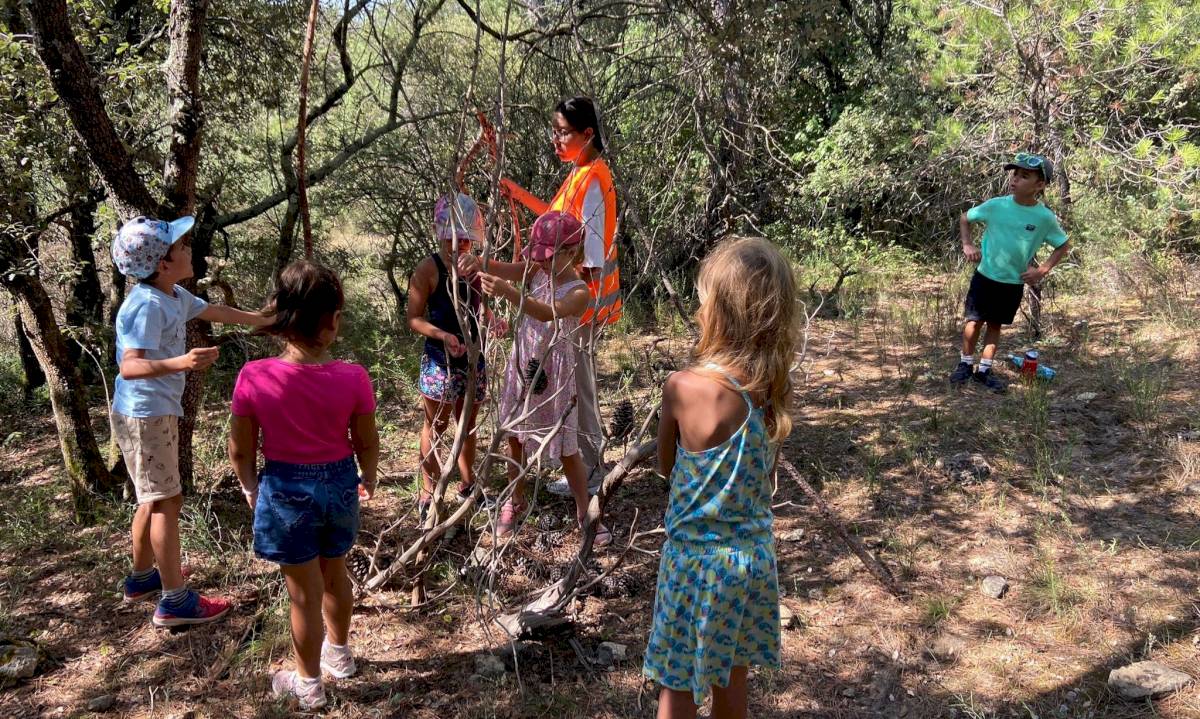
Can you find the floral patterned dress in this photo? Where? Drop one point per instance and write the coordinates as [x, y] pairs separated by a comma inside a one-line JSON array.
[[539, 382], [716, 605]]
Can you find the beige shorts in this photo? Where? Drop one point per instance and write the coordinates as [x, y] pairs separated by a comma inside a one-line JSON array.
[[150, 446]]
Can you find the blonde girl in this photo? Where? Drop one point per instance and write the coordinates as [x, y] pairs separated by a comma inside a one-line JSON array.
[[716, 607]]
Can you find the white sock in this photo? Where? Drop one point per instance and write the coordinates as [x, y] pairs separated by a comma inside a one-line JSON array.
[[332, 648], [174, 597], [307, 682], [985, 365], [143, 575], [969, 359]]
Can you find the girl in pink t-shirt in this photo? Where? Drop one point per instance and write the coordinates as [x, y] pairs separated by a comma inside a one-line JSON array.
[[315, 415]]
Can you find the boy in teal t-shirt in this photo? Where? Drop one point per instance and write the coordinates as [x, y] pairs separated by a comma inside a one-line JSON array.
[[1016, 226]]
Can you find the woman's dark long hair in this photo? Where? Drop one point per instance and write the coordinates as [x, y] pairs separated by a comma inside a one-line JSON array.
[[580, 114], [304, 302]]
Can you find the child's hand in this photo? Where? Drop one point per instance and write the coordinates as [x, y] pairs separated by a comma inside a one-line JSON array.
[[199, 358], [453, 345], [366, 491], [263, 320], [468, 264], [251, 498], [972, 252], [494, 286], [1033, 275]]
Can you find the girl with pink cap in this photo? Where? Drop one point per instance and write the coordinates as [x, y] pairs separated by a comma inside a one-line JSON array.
[[539, 384]]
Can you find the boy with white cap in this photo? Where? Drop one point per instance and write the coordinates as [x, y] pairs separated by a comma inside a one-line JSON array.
[[153, 357]]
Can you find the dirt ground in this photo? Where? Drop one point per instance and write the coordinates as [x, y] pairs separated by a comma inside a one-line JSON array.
[[1077, 492]]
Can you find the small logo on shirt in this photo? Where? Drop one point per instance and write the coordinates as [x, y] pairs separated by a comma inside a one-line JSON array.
[[1030, 228]]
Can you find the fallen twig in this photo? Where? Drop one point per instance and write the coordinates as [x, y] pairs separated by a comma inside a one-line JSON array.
[[873, 565], [547, 608]]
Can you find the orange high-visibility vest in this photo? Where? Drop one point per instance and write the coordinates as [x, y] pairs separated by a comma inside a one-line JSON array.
[[605, 307]]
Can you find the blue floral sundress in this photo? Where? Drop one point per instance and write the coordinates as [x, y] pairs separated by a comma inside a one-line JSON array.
[[716, 605]]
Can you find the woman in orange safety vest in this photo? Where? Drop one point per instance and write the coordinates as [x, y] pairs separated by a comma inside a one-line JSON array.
[[588, 194]]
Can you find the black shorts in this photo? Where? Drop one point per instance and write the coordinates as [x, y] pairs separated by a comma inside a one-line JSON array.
[[992, 301]]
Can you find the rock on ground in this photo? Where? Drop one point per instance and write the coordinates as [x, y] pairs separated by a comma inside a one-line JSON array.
[[102, 703], [489, 665], [609, 653], [17, 662], [948, 648], [966, 467], [994, 586], [1146, 679]]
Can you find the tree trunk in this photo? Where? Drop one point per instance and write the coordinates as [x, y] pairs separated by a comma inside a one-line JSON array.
[[287, 233], [186, 31], [34, 377], [86, 469], [85, 303], [186, 113], [727, 160]]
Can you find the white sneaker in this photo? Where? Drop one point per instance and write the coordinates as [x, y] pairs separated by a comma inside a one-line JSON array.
[[562, 488], [559, 487], [336, 662], [286, 683]]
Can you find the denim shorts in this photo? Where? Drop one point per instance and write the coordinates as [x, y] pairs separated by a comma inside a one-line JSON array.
[[306, 511]]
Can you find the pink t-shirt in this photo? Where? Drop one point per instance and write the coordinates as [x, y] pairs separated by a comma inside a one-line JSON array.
[[304, 410]]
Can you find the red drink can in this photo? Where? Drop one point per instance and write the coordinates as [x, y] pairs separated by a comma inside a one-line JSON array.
[[1030, 364]]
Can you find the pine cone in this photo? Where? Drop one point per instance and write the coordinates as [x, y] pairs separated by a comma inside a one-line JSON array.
[[622, 421], [535, 376], [358, 565], [548, 522], [614, 586]]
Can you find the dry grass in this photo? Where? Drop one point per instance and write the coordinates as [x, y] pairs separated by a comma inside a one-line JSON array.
[[1084, 512]]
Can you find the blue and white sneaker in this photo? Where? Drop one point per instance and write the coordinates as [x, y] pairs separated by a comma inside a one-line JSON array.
[[136, 590]]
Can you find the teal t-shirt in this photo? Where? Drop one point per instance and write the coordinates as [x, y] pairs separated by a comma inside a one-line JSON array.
[[1013, 235]]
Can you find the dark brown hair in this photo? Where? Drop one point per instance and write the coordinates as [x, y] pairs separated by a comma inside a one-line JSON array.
[[580, 114], [304, 301]]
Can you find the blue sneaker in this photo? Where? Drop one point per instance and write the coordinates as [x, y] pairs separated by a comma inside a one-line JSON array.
[[136, 590], [194, 609]]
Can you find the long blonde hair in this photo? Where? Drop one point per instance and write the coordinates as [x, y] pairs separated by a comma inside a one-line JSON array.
[[748, 321]]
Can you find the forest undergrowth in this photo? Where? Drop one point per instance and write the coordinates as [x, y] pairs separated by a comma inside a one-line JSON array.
[[1082, 493]]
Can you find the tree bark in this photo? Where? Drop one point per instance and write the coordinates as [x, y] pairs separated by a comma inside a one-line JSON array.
[[186, 111], [32, 372], [86, 469], [186, 32], [85, 303]]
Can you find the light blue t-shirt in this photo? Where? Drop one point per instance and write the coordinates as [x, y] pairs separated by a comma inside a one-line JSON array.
[[153, 321], [1013, 235]]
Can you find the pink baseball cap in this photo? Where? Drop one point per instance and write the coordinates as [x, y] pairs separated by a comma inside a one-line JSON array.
[[552, 232]]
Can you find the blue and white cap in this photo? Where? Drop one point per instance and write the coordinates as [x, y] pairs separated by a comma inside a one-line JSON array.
[[460, 218], [143, 241]]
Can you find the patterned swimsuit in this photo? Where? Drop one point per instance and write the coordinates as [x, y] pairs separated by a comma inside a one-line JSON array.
[[717, 601]]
